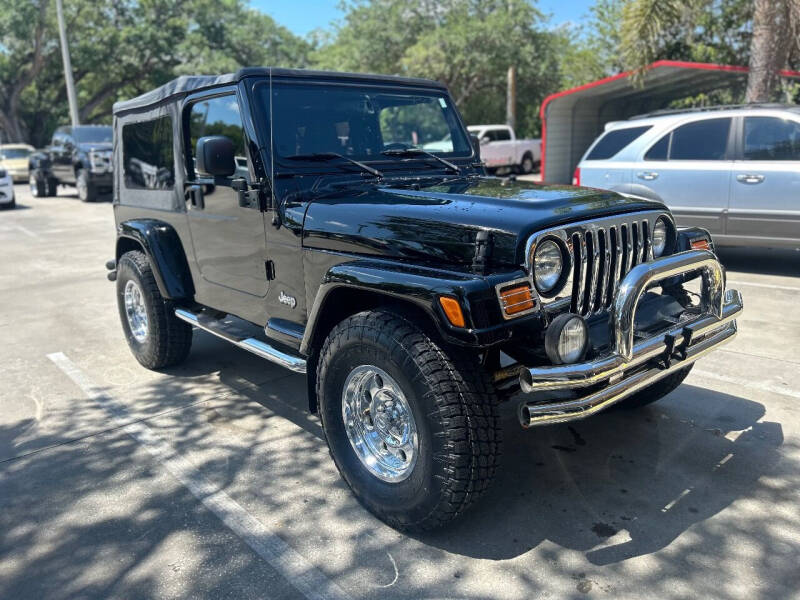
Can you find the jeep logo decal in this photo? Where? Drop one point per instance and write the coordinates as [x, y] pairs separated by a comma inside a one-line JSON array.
[[286, 299]]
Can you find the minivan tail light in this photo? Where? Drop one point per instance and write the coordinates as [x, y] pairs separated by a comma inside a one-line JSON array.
[[576, 176]]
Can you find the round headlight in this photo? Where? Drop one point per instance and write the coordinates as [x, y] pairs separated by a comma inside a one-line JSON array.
[[548, 264], [566, 339], [659, 237]]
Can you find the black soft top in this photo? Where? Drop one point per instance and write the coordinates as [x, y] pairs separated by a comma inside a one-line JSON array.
[[186, 84]]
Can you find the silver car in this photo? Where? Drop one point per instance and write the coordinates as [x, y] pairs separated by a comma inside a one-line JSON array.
[[732, 170]]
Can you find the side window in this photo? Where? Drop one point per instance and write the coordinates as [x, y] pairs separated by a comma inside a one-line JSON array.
[[659, 150], [502, 135], [219, 116], [147, 155], [771, 138], [614, 141], [701, 140]]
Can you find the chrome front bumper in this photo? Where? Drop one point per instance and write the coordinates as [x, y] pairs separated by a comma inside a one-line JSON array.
[[632, 365]]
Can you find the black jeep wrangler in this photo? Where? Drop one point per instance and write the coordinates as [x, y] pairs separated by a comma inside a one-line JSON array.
[[298, 215], [77, 156]]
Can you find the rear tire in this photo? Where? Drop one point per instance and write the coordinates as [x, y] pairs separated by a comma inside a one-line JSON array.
[[527, 165], [156, 337], [453, 409], [656, 391]]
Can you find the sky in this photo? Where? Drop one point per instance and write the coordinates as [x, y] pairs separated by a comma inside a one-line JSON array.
[[303, 16]]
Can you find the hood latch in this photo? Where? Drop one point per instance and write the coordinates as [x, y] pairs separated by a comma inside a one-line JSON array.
[[483, 252]]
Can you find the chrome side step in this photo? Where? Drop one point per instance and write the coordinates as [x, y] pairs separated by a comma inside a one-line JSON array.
[[257, 347]]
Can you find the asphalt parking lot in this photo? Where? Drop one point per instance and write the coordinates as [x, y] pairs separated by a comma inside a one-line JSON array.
[[211, 481]]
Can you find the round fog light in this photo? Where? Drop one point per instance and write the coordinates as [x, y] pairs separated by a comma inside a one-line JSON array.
[[566, 339]]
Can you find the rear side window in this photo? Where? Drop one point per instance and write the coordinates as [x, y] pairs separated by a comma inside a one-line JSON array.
[[147, 155], [701, 140], [614, 141], [501, 135], [770, 138], [659, 150]]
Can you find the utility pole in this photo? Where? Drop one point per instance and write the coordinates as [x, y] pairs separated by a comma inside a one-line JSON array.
[[511, 98], [73, 100]]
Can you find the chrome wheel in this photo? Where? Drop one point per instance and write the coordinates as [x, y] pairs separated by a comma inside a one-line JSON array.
[[379, 423], [136, 311], [34, 187]]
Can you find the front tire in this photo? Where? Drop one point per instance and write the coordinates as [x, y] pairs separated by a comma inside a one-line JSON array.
[[431, 412], [156, 337], [38, 185], [656, 391], [87, 191]]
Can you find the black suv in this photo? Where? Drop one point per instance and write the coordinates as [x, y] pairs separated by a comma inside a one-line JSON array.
[[296, 215], [77, 156]]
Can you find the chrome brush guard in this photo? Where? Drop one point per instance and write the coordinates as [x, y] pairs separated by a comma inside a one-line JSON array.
[[631, 366]]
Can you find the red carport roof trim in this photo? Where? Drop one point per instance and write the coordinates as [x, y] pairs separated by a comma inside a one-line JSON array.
[[659, 63]]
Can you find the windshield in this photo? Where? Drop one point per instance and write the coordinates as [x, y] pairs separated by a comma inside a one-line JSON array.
[[88, 135], [15, 153], [362, 122]]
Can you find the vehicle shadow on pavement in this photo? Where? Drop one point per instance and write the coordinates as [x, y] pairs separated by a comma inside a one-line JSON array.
[[625, 483], [763, 261], [96, 516]]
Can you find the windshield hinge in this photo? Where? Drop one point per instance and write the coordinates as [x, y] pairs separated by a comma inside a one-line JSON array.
[[483, 252]]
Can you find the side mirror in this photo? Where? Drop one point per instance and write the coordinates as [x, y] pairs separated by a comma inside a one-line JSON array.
[[485, 140], [476, 145], [215, 156]]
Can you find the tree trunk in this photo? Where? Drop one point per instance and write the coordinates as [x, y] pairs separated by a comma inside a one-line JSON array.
[[769, 49]]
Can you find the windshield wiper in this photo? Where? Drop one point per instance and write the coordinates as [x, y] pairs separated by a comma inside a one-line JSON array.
[[321, 156], [413, 151]]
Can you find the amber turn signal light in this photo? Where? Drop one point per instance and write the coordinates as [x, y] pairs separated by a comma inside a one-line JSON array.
[[516, 299], [452, 310], [700, 244]]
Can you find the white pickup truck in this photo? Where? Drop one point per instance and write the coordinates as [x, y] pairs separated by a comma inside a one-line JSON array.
[[501, 148]]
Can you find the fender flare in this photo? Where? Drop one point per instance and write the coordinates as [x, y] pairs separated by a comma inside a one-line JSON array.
[[162, 246], [401, 283]]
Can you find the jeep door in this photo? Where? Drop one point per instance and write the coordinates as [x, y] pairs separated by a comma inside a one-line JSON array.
[[689, 169], [765, 196], [228, 238]]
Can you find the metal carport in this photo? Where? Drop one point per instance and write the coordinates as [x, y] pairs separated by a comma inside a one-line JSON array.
[[573, 118]]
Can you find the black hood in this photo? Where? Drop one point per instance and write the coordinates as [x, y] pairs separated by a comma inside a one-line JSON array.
[[439, 223]]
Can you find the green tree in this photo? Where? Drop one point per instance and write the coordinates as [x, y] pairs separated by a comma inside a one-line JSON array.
[[761, 33], [121, 48], [467, 44]]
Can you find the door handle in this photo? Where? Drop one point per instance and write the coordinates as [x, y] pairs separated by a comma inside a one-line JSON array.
[[749, 178], [194, 194], [647, 175]]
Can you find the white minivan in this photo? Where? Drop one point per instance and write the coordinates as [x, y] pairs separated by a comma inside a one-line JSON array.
[[734, 170]]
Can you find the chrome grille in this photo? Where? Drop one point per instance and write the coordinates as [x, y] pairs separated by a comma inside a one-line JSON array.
[[601, 252], [611, 251]]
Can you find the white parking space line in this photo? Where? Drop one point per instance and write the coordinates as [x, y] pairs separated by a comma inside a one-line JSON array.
[[769, 286], [306, 578], [749, 383]]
